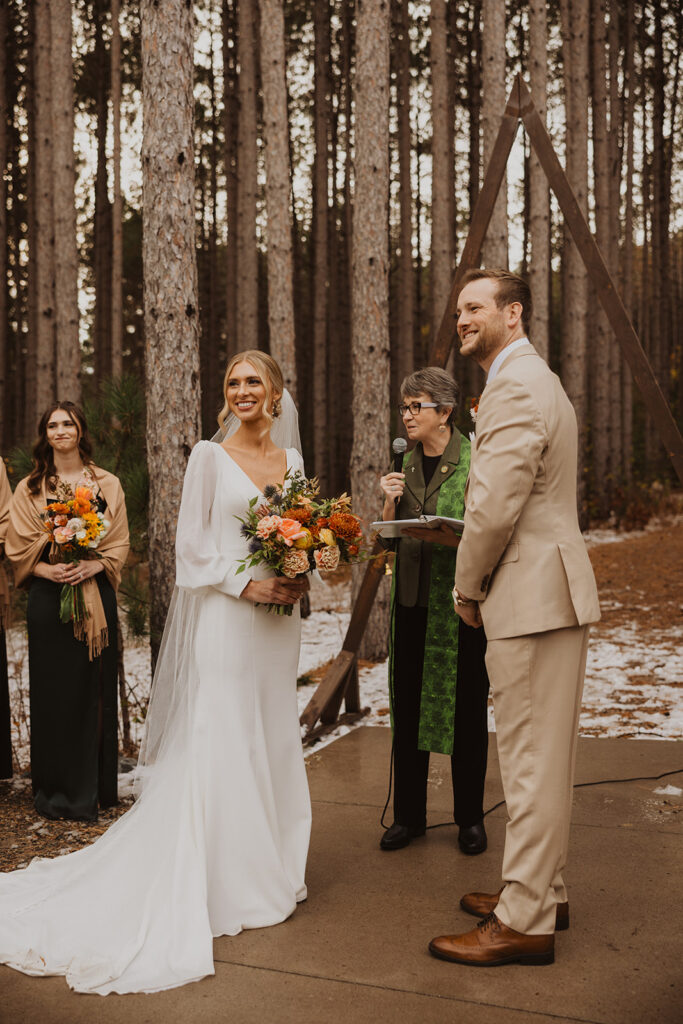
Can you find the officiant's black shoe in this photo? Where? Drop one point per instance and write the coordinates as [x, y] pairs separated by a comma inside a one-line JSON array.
[[398, 836], [472, 838]]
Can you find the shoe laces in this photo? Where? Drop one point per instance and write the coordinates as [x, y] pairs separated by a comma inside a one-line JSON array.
[[490, 923]]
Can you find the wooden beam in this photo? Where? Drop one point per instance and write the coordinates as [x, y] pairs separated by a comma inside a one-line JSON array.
[[483, 210], [633, 352]]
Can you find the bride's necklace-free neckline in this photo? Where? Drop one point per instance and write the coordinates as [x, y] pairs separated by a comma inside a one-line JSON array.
[[278, 483]]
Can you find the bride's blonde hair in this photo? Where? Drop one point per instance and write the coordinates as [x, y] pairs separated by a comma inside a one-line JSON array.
[[270, 375]]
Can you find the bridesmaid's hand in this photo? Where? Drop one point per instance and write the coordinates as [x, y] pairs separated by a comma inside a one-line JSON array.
[[79, 572], [276, 590]]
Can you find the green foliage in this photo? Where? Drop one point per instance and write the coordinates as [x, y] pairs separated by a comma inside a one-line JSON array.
[[116, 421], [134, 596]]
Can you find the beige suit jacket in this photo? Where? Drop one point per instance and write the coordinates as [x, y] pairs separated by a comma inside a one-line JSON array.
[[522, 555]]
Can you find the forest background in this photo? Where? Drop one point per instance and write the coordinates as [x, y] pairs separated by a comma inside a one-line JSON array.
[[303, 183]]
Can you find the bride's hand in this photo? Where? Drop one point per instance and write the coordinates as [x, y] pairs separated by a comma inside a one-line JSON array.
[[276, 590]]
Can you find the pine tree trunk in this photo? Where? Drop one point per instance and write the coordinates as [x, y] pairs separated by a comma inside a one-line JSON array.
[[64, 186], [247, 253], [575, 42], [102, 225], [495, 248], [442, 198], [600, 333], [4, 146], [539, 195], [230, 117], [278, 190], [30, 378], [321, 93], [370, 332], [615, 147], [117, 206], [627, 263], [170, 281], [45, 348], [406, 274]]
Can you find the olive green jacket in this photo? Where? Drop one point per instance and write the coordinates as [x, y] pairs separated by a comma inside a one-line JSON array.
[[416, 555]]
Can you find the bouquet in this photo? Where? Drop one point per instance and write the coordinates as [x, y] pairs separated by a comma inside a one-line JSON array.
[[76, 527], [294, 531]]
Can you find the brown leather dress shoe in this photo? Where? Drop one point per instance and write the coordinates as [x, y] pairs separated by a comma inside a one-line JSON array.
[[482, 903], [492, 944]]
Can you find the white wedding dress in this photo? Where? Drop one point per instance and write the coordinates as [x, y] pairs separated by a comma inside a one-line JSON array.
[[218, 837]]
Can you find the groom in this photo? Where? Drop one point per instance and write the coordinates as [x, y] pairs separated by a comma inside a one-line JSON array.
[[524, 572]]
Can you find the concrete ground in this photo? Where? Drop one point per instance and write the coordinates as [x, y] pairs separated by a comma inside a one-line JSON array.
[[357, 950]]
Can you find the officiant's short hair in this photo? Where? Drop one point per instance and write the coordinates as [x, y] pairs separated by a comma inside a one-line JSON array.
[[511, 288], [436, 383]]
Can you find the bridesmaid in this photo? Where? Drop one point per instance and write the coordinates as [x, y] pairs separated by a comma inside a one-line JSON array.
[[5, 727], [73, 694]]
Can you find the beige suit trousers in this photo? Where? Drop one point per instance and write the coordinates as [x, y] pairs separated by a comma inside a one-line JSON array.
[[537, 683]]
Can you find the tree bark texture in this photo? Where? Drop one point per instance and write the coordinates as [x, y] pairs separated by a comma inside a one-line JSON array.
[[64, 187], [442, 196], [45, 348], [278, 190], [321, 125], [600, 391], [405, 333], [170, 281], [230, 122], [370, 324], [247, 253], [539, 194], [117, 205], [4, 145], [102, 243], [575, 43], [627, 259], [494, 98]]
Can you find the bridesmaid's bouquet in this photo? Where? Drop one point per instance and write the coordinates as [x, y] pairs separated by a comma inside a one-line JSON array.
[[294, 531], [76, 527]]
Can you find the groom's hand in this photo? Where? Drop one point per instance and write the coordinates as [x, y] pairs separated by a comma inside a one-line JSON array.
[[468, 612]]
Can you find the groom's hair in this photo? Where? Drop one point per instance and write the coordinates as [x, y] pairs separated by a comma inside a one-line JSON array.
[[511, 288]]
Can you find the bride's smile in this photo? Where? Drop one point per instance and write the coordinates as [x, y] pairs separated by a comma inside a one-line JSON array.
[[246, 393]]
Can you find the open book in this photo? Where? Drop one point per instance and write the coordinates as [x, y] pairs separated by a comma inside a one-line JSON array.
[[395, 527]]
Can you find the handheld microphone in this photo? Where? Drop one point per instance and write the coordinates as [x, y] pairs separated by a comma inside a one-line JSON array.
[[399, 446]]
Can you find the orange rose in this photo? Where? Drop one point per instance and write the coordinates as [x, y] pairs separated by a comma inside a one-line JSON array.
[[290, 531]]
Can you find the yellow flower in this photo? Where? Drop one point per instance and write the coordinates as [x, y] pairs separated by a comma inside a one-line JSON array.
[[328, 537], [306, 541]]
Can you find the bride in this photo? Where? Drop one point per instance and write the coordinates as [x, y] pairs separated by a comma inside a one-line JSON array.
[[218, 836]]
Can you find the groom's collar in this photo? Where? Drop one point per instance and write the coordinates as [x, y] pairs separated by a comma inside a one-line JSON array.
[[502, 356]]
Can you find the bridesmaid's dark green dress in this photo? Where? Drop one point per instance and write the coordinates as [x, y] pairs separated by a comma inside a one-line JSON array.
[[5, 725], [74, 710]]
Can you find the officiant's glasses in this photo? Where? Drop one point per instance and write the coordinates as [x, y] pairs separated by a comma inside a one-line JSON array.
[[414, 407]]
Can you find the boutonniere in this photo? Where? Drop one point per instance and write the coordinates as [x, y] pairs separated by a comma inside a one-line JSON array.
[[474, 408]]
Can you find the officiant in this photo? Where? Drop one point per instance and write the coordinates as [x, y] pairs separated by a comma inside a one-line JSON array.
[[437, 677]]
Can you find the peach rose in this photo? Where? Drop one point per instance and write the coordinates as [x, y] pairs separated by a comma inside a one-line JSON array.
[[289, 530]]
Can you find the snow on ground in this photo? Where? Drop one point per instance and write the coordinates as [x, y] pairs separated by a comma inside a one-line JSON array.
[[633, 680]]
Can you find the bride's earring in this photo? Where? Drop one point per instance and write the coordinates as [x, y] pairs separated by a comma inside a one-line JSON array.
[[277, 408], [442, 426]]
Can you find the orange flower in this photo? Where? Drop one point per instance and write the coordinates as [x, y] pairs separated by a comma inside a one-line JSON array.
[[290, 530], [345, 525], [302, 515]]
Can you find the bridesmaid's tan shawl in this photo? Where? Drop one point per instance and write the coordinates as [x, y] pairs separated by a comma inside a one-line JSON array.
[[26, 540], [5, 498]]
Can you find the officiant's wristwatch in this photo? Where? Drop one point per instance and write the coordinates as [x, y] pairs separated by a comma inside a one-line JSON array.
[[462, 602]]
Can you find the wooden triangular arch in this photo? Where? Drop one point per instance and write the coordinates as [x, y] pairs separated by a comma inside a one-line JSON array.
[[341, 679]]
